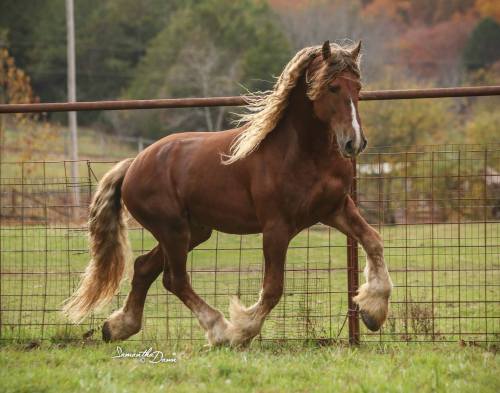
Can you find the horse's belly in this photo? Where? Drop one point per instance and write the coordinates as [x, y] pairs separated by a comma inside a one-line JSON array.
[[223, 206], [228, 218]]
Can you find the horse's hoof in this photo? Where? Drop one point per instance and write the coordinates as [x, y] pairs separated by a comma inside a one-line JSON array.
[[106, 332], [370, 322]]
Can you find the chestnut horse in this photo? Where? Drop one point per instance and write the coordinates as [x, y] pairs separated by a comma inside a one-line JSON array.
[[287, 168]]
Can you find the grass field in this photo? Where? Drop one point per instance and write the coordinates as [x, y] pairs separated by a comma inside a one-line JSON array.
[[40, 268], [447, 291], [266, 368]]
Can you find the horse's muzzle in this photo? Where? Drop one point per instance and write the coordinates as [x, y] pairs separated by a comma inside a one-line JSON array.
[[351, 150]]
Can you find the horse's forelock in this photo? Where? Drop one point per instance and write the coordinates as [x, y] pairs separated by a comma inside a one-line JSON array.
[[340, 60]]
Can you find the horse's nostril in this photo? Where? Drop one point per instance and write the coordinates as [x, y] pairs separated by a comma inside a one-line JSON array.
[[349, 148]]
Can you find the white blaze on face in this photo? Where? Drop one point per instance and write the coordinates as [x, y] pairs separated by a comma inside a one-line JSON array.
[[355, 126]]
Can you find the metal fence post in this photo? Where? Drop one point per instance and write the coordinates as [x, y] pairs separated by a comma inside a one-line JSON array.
[[352, 273]]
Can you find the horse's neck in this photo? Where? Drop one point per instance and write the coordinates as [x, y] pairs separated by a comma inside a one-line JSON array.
[[302, 130]]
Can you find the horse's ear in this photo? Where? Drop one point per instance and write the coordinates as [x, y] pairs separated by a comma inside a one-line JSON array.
[[326, 51], [356, 51]]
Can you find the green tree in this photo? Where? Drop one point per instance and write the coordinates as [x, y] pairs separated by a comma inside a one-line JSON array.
[[483, 45], [111, 37], [17, 19], [208, 48]]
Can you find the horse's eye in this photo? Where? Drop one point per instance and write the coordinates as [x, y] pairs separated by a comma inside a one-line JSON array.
[[334, 89]]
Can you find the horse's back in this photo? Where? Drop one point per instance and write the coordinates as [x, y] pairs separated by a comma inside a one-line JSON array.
[[183, 175]]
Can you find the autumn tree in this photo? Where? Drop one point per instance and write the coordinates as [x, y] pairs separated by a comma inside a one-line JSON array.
[[435, 52], [312, 22], [488, 8], [419, 12], [15, 88]]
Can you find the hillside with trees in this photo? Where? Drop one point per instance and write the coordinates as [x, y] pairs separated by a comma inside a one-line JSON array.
[[156, 48]]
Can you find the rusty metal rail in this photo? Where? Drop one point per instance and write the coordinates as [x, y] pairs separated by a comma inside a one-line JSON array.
[[238, 100]]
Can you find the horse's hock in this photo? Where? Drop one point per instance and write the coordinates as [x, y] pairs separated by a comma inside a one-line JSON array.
[[436, 208]]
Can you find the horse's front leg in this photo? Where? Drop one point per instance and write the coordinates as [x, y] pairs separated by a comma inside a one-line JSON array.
[[246, 322], [373, 296]]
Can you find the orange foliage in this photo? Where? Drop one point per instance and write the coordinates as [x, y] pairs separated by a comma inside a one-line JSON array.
[[392, 9], [489, 8], [289, 4], [416, 12], [435, 50], [15, 88], [15, 85]]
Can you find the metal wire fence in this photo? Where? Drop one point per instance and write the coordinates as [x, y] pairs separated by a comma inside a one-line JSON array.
[[438, 209]]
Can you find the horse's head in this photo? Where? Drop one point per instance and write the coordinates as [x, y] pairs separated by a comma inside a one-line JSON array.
[[334, 81]]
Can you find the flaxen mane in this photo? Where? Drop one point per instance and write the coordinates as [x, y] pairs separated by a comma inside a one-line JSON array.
[[265, 109]]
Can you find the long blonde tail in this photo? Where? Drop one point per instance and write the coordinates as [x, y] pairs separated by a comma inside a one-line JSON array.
[[109, 247]]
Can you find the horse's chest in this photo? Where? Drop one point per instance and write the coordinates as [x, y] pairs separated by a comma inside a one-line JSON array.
[[325, 193], [319, 196], [309, 191]]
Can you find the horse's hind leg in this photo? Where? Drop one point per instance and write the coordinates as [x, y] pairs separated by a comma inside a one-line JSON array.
[[127, 321], [176, 245]]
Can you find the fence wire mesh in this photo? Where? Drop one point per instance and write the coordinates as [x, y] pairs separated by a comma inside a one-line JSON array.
[[438, 209]]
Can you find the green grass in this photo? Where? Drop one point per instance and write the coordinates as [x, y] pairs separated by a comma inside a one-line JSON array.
[[266, 368], [432, 301], [446, 275], [444, 305]]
